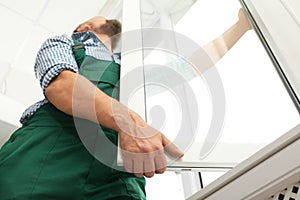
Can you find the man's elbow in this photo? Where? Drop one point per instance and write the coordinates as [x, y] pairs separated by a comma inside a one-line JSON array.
[[59, 91], [51, 90]]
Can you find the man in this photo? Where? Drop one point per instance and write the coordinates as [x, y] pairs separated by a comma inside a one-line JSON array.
[[46, 158]]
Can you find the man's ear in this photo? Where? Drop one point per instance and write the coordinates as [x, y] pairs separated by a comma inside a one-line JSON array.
[[84, 27]]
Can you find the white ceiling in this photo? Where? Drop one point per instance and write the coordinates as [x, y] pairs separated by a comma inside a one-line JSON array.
[[27, 23]]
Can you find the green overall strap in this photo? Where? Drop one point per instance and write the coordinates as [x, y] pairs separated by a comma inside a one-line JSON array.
[[102, 73], [79, 52]]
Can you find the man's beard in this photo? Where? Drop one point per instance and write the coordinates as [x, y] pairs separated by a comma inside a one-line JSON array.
[[113, 29]]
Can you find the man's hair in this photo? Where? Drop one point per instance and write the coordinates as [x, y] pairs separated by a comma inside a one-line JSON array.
[[112, 28]]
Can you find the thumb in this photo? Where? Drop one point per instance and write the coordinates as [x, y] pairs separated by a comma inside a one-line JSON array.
[[170, 148]]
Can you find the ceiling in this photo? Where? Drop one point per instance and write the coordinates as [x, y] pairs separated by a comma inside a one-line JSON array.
[[27, 24]]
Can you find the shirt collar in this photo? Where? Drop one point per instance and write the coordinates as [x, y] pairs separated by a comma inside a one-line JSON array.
[[87, 35]]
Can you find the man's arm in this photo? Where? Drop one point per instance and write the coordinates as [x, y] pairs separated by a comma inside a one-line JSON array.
[[217, 48], [75, 95]]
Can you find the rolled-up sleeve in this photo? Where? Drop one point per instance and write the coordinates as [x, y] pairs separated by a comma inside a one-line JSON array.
[[54, 56]]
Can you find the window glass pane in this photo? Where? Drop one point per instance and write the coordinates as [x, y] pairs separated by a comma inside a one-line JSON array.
[[232, 106]]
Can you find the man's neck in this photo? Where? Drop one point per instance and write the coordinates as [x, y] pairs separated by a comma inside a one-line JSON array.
[[106, 40]]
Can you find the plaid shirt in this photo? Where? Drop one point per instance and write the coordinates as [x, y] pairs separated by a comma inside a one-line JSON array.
[[56, 55]]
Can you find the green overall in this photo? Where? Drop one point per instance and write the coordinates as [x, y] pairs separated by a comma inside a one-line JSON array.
[[46, 158]]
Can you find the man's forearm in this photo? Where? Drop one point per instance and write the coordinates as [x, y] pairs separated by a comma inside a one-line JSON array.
[[217, 48], [73, 94]]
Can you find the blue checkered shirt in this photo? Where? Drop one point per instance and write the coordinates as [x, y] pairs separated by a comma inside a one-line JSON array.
[[56, 55]]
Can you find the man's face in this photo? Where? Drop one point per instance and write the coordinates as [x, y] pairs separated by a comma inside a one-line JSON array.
[[112, 28]]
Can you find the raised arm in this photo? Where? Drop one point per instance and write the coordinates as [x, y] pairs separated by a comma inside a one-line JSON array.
[[218, 47]]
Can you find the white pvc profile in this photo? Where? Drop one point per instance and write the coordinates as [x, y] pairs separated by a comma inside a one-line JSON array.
[[262, 175], [132, 91]]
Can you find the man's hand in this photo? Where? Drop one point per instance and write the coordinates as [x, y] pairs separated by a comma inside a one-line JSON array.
[[243, 21], [143, 147]]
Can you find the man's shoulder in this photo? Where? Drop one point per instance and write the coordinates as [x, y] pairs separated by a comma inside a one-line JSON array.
[[66, 39]]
